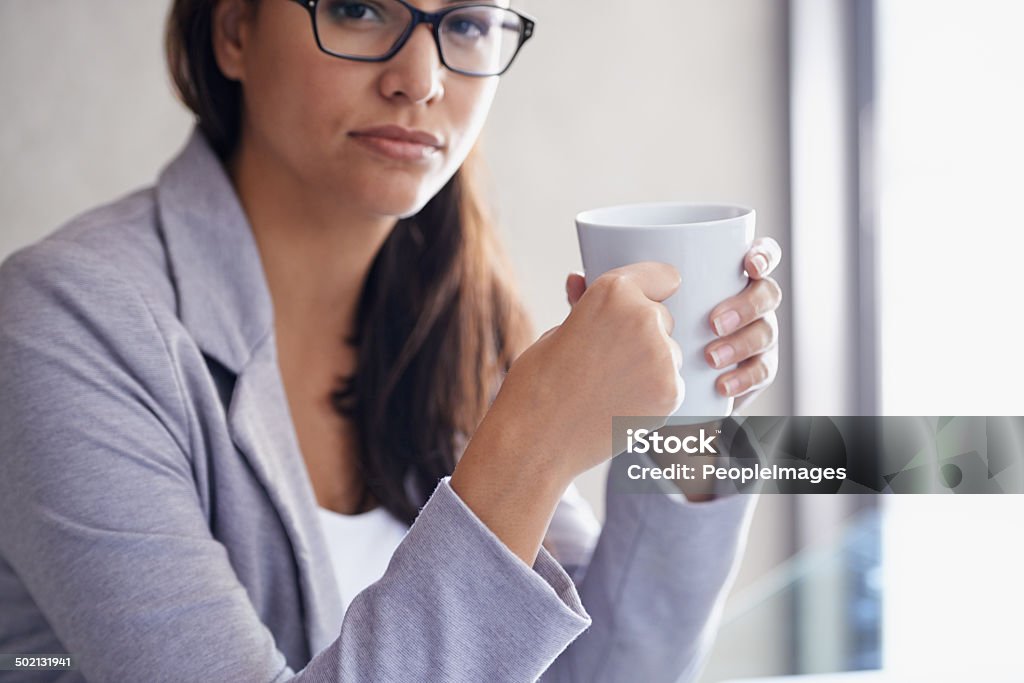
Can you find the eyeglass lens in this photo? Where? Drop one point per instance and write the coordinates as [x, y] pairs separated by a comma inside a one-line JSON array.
[[477, 39]]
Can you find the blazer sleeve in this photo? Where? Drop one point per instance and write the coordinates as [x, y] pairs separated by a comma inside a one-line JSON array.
[[658, 574], [101, 520]]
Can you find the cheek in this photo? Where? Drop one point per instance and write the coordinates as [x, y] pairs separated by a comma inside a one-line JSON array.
[[469, 104], [292, 90], [304, 118], [274, 97]]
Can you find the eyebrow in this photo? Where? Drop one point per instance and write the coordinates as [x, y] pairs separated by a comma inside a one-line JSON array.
[[478, 2], [502, 4]]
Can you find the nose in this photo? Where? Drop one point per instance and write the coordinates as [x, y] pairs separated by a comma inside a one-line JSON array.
[[415, 73]]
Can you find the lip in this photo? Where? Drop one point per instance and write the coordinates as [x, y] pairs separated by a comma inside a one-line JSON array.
[[399, 143]]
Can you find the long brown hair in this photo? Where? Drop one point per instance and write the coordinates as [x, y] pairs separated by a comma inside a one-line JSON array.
[[438, 322]]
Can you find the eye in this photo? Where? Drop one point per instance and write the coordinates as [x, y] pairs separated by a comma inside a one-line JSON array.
[[468, 26], [352, 12]]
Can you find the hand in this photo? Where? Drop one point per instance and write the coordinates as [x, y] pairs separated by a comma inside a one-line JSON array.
[[752, 334], [613, 355], [748, 329]]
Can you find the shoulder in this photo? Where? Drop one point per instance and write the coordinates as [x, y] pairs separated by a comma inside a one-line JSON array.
[[83, 312], [117, 244]]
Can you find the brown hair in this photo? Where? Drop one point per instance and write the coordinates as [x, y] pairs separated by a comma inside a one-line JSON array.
[[438, 322]]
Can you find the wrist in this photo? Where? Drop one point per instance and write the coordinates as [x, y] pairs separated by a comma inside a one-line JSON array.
[[509, 487], [506, 454]]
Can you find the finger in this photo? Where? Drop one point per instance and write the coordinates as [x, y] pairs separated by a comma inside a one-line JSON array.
[[751, 375], [677, 354], [575, 285], [667, 321], [764, 256], [758, 337], [658, 281], [755, 301]]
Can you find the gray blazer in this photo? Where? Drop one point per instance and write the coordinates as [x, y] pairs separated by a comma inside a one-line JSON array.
[[157, 520]]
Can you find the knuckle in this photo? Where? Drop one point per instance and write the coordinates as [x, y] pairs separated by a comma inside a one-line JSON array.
[[766, 334], [667, 387], [603, 287], [759, 301], [662, 318], [609, 291], [659, 358], [663, 373], [667, 393], [772, 321], [646, 320], [773, 292], [614, 283], [749, 309], [668, 355], [760, 372], [620, 292], [666, 316]]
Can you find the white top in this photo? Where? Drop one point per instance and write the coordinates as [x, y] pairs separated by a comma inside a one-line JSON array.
[[360, 546]]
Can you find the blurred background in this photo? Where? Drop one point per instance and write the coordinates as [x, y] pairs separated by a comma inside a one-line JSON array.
[[880, 143]]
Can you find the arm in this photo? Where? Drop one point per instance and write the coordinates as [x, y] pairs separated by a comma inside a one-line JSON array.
[[573, 533], [655, 586], [100, 519]]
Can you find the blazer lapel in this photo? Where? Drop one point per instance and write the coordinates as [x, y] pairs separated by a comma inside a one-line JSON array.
[[224, 302], [259, 421]]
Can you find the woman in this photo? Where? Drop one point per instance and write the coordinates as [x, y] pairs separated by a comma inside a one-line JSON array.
[[212, 388]]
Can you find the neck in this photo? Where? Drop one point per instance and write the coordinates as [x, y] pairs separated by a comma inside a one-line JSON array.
[[316, 253]]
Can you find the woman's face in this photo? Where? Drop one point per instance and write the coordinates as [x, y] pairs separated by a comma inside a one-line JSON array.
[[311, 112]]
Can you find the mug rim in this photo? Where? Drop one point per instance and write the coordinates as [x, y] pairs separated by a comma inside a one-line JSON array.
[[590, 217]]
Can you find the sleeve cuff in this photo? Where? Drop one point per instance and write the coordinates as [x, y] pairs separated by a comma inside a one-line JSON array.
[[547, 578], [455, 604]]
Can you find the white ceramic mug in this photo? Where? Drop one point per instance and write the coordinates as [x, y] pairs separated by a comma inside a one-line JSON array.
[[706, 243]]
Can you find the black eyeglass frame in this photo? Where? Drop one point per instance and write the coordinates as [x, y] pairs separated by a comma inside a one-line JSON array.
[[434, 19]]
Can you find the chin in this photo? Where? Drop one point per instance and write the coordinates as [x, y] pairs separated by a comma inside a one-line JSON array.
[[397, 207], [401, 200]]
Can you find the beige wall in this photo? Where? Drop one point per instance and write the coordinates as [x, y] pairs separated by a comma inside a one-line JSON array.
[[611, 102], [88, 111], [666, 99], [678, 100]]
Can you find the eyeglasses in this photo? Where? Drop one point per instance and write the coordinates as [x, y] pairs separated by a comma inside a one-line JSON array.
[[472, 39]]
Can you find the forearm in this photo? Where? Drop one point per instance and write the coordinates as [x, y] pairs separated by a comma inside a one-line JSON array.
[[655, 586], [512, 486]]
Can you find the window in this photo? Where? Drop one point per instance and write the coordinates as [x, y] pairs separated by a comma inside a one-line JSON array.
[[950, 250], [950, 224]]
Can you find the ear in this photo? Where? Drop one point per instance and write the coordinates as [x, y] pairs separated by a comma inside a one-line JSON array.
[[231, 23]]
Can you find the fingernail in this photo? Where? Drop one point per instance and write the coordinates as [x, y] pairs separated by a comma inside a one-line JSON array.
[[726, 323], [731, 386], [760, 263], [722, 355]]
